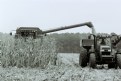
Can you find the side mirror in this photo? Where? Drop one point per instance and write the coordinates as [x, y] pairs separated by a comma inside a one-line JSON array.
[[10, 33]]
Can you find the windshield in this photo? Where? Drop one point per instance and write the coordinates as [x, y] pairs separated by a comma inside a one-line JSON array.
[[105, 41]]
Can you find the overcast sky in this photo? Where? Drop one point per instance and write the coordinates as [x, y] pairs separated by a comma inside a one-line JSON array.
[[47, 14]]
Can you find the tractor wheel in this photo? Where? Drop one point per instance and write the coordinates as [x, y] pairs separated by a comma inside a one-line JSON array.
[[119, 60], [92, 60], [83, 59]]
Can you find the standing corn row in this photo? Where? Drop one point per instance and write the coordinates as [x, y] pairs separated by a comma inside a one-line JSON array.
[[32, 53]]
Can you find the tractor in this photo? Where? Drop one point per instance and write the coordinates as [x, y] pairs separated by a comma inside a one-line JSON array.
[[100, 49]]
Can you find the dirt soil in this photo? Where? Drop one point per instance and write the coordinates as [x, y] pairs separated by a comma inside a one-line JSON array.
[[67, 69]]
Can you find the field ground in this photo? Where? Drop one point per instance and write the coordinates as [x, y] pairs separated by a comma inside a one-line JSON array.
[[66, 70]]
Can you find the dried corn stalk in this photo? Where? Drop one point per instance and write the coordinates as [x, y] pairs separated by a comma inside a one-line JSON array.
[[29, 53]]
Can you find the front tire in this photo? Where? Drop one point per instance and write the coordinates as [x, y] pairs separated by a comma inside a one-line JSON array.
[[119, 60], [92, 60], [83, 59]]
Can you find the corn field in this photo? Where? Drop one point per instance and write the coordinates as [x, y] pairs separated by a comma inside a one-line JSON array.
[[33, 60], [30, 53]]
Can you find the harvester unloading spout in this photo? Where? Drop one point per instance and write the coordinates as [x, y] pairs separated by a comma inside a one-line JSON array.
[[93, 31], [89, 24]]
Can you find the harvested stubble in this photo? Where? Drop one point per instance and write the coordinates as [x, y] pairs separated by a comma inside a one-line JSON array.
[[32, 53]]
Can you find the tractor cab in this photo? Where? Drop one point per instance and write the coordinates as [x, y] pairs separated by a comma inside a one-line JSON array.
[[104, 47], [104, 43]]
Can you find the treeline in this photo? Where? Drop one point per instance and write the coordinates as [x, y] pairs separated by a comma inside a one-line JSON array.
[[69, 42]]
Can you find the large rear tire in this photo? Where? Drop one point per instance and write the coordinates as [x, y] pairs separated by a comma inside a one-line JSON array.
[[92, 60], [119, 60], [83, 59]]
